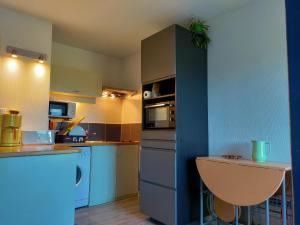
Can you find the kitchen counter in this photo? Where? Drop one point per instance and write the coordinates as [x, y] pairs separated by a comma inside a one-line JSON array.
[[99, 143], [63, 148], [32, 150]]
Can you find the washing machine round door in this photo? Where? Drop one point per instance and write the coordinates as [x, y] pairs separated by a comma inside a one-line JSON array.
[[78, 175]]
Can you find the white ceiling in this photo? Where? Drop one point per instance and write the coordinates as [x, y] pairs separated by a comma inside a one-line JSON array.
[[116, 27]]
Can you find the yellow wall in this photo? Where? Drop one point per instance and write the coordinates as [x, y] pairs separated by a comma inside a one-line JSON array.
[[104, 111], [21, 87], [132, 107]]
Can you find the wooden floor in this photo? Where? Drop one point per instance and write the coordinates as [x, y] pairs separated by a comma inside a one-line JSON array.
[[123, 212]]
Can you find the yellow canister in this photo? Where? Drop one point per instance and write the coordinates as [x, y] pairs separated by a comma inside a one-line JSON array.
[[10, 136], [11, 120], [0, 127]]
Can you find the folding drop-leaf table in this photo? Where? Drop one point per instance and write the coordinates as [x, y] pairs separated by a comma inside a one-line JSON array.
[[242, 182]]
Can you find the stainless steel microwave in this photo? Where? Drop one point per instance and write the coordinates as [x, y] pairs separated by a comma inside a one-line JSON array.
[[61, 109], [160, 115]]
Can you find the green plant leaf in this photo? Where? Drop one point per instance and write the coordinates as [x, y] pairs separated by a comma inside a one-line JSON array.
[[199, 30]]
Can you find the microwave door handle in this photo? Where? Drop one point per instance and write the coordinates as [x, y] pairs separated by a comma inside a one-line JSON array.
[[155, 106]]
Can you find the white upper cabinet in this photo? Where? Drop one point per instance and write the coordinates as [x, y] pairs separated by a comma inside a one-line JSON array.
[[75, 81], [75, 71]]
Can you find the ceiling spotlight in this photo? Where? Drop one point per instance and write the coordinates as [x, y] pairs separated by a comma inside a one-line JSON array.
[[14, 53], [41, 59]]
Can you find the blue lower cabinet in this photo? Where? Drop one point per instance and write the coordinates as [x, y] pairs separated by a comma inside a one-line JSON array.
[[38, 190], [103, 174], [158, 202]]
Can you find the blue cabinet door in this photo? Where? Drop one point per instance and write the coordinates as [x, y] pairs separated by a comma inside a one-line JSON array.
[[103, 174], [38, 190]]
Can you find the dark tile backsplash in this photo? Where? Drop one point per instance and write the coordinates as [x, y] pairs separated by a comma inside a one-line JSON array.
[[136, 131], [126, 132], [131, 132], [97, 132], [112, 132]]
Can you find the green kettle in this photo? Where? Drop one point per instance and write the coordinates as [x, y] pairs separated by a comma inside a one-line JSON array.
[[260, 150]]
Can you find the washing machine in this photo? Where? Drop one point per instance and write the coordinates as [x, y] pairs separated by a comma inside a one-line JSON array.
[[83, 177]]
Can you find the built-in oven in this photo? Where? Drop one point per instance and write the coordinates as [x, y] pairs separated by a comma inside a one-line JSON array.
[[159, 115], [62, 109]]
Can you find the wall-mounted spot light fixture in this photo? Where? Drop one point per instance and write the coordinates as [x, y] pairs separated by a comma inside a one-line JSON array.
[[15, 52], [41, 59]]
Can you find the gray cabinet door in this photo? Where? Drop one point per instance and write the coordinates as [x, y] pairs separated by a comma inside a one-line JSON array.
[[158, 55], [171, 145], [166, 135], [158, 202], [158, 166]]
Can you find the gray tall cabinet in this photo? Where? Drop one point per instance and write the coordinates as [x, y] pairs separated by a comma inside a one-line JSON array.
[[169, 181]]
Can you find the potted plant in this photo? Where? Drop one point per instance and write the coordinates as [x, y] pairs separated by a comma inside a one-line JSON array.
[[199, 33]]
